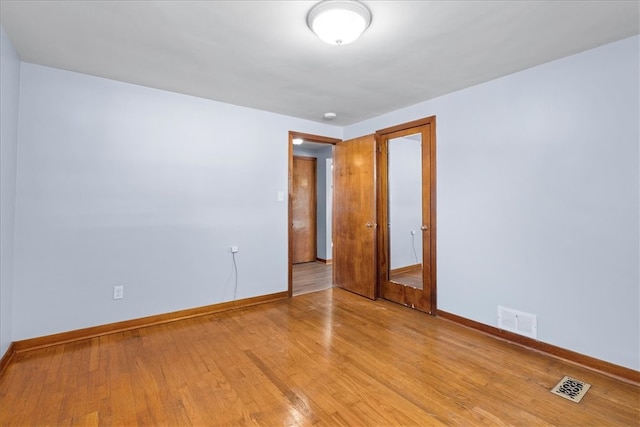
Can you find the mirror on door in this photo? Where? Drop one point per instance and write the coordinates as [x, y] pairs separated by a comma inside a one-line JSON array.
[[405, 210]]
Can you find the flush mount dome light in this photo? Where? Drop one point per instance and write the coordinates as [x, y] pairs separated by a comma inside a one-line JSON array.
[[297, 141], [339, 22]]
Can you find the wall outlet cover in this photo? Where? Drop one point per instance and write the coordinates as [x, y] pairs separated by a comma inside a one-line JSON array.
[[118, 292]]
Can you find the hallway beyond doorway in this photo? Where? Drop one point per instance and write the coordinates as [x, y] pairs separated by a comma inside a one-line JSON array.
[[311, 277]]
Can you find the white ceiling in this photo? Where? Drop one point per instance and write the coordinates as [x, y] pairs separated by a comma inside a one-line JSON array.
[[261, 54]]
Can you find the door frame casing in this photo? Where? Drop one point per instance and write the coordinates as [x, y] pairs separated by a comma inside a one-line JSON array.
[[311, 138], [382, 175]]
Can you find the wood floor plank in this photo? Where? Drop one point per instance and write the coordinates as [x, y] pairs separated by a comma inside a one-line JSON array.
[[323, 358], [311, 277]]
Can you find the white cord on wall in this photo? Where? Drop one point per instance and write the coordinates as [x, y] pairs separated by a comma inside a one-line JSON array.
[[235, 270], [413, 245]]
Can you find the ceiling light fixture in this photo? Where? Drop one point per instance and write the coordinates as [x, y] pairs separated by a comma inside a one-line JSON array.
[[339, 22], [297, 141]]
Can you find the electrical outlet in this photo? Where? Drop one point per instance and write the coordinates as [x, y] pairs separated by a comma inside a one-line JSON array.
[[234, 249], [118, 292]]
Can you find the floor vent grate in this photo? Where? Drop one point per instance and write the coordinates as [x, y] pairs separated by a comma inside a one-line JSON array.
[[571, 389]]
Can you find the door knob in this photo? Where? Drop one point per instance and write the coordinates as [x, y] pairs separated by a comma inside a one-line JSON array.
[[424, 228], [370, 225]]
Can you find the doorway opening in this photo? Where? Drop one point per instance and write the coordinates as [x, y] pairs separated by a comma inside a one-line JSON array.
[[310, 213]]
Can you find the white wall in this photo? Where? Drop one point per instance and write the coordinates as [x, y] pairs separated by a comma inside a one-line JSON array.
[[125, 185], [10, 90], [328, 225], [537, 201], [324, 203]]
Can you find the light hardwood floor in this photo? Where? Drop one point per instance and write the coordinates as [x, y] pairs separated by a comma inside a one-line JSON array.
[[410, 278], [311, 277], [323, 358]]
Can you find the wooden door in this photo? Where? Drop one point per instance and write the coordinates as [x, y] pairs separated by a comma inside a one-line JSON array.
[[303, 210], [421, 298], [354, 216]]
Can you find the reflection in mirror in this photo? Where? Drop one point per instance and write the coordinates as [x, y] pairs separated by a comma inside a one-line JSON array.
[[405, 210]]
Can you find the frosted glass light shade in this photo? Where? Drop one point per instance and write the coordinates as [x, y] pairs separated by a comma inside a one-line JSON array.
[[339, 22]]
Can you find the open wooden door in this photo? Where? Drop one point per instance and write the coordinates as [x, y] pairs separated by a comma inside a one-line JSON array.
[[354, 216], [407, 213], [303, 210]]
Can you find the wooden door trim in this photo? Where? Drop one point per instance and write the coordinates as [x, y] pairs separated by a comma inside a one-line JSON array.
[[382, 199], [431, 120], [311, 138]]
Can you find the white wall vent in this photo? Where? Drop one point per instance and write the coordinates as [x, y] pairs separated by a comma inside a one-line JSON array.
[[518, 322]]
